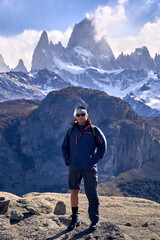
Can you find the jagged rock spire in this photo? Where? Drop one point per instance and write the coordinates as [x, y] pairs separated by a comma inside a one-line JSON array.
[[40, 56], [3, 66], [20, 67], [43, 41]]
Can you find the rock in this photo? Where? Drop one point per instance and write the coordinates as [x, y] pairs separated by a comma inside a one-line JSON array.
[[16, 215], [129, 224], [20, 67], [60, 208], [65, 220], [23, 201], [32, 210], [3, 205], [145, 225]]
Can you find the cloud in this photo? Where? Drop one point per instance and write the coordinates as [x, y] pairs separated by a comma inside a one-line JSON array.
[[23, 45], [56, 36], [20, 46], [148, 36], [111, 22], [114, 24]]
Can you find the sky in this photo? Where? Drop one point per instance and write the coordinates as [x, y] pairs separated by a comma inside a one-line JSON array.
[[127, 24]]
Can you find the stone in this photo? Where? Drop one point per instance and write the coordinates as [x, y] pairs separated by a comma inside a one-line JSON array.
[[145, 225], [32, 210], [16, 215], [4, 205], [65, 220], [23, 200], [60, 208], [129, 224]]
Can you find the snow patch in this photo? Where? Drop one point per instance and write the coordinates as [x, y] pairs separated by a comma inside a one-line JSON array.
[[82, 51], [68, 67]]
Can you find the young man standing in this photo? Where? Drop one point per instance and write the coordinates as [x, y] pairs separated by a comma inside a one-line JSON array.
[[83, 146]]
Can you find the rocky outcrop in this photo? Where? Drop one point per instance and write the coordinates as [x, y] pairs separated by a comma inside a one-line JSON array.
[[40, 59], [120, 218], [12, 112], [157, 62], [139, 60], [139, 105], [3, 205], [20, 67], [41, 135], [3, 66], [86, 51]]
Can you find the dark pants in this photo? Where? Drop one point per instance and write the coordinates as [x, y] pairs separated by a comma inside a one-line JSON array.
[[90, 185]]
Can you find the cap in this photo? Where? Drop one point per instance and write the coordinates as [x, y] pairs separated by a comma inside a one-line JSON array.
[[80, 110]]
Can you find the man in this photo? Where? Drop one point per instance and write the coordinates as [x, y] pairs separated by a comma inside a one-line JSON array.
[[83, 146]]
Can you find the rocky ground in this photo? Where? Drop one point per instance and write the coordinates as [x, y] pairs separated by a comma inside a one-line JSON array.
[[44, 216]]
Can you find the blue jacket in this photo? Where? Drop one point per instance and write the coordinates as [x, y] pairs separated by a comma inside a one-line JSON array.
[[82, 152]]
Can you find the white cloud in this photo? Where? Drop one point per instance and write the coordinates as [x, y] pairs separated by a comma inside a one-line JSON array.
[[114, 25], [148, 36], [22, 46], [56, 36], [110, 21]]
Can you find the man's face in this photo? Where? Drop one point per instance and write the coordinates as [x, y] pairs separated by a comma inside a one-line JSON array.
[[81, 118]]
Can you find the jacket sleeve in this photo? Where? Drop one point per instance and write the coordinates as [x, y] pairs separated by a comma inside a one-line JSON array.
[[101, 146], [65, 149]]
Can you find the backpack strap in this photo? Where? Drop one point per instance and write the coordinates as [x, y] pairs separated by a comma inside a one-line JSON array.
[[94, 133], [68, 137], [70, 131], [92, 129]]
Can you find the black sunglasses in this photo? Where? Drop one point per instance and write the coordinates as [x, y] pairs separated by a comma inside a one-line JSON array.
[[80, 114]]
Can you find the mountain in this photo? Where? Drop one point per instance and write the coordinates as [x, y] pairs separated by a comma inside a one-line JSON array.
[[83, 50], [3, 66], [154, 123], [140, 107], [35, 84], [89, 62], [86, 50], [20, 67], [12, 112], [35, 142], [41, 59], [157, 62], [140, 59]]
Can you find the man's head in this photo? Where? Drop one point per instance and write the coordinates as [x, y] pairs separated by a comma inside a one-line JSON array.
[[81, 114]]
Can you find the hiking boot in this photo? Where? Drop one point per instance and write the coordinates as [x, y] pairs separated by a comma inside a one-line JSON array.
[[94, 226], [75, 222]]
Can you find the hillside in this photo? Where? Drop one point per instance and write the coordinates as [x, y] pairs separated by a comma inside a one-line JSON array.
[[11, 114], [142, 183], [31, 149], [121, 218], [154, 124], [16, 110]]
